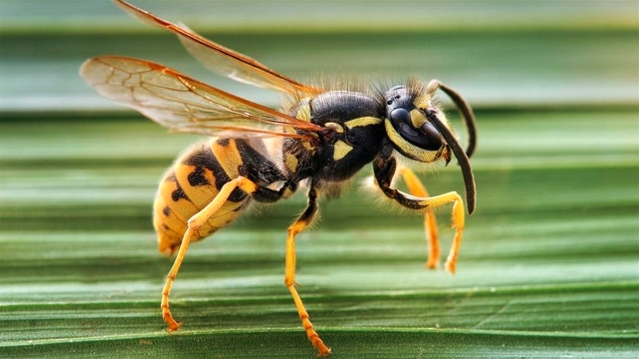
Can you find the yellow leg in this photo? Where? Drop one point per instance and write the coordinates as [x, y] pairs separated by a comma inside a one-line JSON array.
[[458, 219], [384, 169], [289, 275], [194, 224], [458, 224], [416, 188]]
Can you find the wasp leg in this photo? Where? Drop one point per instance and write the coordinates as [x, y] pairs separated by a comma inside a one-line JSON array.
[[416, 188], [194, 224], [302, 223], [384, 169]]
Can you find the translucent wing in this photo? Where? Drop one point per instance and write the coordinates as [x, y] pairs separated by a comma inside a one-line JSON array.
[[184, 104], [222, 60]]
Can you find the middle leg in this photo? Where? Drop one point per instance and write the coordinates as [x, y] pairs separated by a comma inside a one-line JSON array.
[[303, 222]]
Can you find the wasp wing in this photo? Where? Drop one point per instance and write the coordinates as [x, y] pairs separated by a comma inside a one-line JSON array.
[[223, 60], [183, 104]]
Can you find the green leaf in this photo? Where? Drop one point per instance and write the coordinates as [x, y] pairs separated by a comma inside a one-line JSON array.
[[549, 264]]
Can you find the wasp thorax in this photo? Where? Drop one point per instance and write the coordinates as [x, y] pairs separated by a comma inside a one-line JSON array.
[[409, 130]]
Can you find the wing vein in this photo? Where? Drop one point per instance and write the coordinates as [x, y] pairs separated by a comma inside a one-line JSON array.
[[184, 104]]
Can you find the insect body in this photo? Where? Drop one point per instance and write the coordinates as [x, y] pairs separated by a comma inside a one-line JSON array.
[[257, 154]]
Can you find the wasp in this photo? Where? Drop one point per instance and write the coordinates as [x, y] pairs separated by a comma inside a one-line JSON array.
[[320, 140]]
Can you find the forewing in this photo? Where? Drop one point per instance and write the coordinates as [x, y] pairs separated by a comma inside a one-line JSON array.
[[184, 104], [222, 60]]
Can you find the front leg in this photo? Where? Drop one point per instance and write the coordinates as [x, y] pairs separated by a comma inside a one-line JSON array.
[[384, 169], [416, 188]]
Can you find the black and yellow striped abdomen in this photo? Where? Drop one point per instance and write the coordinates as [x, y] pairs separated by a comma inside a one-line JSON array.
[[190, 184]]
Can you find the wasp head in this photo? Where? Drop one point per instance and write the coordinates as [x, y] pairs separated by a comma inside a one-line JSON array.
[[408, 127]]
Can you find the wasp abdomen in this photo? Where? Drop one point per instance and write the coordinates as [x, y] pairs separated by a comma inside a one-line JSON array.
[[192, 182]]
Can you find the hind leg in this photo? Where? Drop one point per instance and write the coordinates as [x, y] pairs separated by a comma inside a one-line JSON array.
[[194, 224]]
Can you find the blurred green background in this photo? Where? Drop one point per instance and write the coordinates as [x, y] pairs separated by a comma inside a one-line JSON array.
[[549, 265]]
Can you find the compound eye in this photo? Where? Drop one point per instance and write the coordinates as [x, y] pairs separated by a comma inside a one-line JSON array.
[[426, 137], [435, 139], [400, 115]]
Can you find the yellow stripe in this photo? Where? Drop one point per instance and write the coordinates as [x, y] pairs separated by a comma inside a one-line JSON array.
[[304, 113], [422, 101], [341, 149], [363, 121], [228, 156], [291, 162], [417, 118], [412, 151], [335, 126]]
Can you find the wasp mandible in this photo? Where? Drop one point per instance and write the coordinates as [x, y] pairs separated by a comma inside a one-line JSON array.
[[256, 154]]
